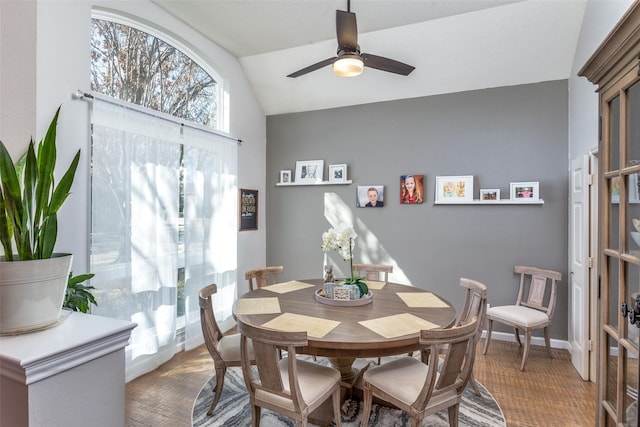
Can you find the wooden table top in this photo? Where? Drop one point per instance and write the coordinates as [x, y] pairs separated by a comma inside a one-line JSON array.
[[349, 338]]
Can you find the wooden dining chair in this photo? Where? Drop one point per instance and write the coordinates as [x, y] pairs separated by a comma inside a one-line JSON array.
[[533, 309], [475, 305], [374, 271], [424, 389], [292, 387], [224, 349], [263, 276]]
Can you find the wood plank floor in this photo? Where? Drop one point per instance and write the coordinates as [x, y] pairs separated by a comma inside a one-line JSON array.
[[548, 393]]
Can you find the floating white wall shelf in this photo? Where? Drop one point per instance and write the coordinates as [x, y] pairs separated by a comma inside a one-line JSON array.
[[494, 202], [293, 184]]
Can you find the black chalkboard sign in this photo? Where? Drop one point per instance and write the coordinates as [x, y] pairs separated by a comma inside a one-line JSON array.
[[248, 209]]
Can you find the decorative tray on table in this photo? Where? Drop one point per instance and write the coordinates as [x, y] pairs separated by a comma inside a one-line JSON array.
[[366, 299]]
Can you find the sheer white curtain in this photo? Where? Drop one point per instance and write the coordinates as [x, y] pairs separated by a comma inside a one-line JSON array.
[[146, 171]]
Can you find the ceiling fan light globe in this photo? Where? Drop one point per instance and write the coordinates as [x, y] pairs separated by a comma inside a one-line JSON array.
[[348, 66]]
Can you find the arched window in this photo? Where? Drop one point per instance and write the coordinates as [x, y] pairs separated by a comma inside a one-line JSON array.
[[137, 67]]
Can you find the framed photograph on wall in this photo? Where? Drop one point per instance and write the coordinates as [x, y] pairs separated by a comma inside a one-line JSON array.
[[337, 173], [309, 171], [285, 176], [524, 191], [489, 194], [370, 196], [412, 189], [454, 189], [248, 209]]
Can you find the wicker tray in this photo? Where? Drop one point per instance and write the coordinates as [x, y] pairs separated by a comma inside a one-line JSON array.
[[345, 303]]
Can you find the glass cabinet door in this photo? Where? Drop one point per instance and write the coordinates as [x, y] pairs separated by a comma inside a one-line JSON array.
[[620, 237]]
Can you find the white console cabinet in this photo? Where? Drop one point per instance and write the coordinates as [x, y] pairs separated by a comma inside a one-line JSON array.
[[71, 374]]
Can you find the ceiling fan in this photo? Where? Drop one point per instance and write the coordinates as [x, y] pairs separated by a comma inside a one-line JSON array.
[[349, 61]]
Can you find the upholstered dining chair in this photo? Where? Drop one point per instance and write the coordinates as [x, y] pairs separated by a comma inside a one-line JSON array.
[[424, 389], [224, 349], [475, 305], [374, 271], [263, 276], [533, 309], [292, 387]]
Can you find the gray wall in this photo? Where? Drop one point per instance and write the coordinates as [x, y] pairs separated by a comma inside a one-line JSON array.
[[497, 135]]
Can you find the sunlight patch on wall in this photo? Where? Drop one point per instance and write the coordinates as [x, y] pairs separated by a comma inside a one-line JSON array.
[[368, 248]]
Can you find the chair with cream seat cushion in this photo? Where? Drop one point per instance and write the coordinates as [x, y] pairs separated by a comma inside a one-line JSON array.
[[475, 305], [424, 389], [533, 309], [265, 276], [224, 349], [292, 387]]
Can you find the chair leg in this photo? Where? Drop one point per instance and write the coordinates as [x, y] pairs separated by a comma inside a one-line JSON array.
[[474, 385], [255, 415], [527, 344], [517, 333], [453, 415], [217, 389], [366, 409], [487, 339], [337, 418], [547, 340]]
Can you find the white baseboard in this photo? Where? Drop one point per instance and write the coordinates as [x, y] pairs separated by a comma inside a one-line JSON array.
[[503, 336]]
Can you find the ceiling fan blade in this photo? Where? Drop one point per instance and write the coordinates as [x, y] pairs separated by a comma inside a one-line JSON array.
[[313, 67], [347, 31], [386, 64]]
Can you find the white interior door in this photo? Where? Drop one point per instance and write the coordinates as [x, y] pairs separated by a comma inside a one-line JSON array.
[[580, 263]]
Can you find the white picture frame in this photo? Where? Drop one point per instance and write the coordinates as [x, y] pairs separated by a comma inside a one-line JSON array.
[[309, 171], [338, 173], [285, 176], [454, 189], [525, 191], [489, 195]]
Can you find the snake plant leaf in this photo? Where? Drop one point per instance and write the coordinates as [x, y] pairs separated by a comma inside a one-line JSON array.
[[46, 163], [47, 237], [6, 229]]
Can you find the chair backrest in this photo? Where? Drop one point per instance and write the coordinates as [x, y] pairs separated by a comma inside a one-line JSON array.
[[475, 303], [210, 329], [538, 288], [459, 345], [374, 271], [263, 276], [268, 384]]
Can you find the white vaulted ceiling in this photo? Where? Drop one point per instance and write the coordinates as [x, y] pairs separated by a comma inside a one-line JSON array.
[[455, 45]]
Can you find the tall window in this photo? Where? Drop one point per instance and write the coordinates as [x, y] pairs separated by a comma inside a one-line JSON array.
[[164, 193]]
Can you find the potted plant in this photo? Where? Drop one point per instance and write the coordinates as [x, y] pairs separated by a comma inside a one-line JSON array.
[[342, 239], [34, 278]]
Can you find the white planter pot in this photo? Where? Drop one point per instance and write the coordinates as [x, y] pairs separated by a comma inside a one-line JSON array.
[[32, 293]]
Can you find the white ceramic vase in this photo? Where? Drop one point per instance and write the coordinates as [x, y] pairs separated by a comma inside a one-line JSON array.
[[32, 293]]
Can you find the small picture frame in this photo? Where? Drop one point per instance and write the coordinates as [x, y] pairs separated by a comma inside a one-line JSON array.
[[454, 189], [285, 176], [489, 194], [309, 171], [524, 191], [370, 196], [412, 189], [337, 173]]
